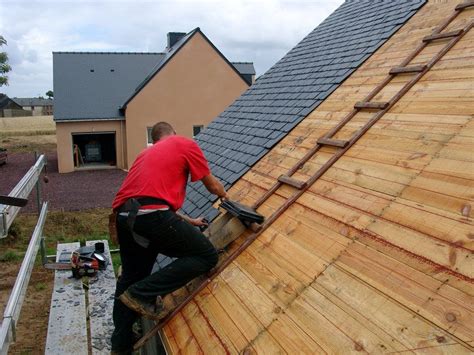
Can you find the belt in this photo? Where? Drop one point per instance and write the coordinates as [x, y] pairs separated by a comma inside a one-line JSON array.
[[132, 205]]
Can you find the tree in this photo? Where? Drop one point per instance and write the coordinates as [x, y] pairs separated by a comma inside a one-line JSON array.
[[4, 66], [50, 94]]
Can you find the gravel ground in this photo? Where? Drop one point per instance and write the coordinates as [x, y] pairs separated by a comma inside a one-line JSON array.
[[69, 192]]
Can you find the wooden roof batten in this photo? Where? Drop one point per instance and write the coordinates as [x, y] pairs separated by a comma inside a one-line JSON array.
[[343, 146]]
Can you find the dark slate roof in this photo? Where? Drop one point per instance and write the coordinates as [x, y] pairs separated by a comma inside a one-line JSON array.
[[244, 67], [32, 101], [7, 103], [83, 94], [168, 55], [292, 88]]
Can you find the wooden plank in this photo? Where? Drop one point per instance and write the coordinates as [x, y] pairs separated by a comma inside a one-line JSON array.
[[281, 290], [180, 332], [67, 328], [224, 230], [306, 261], [336, 327], [442, 227], [171, 346], [441, 183], [323, 242], [413, 289], [444, 35], [416, 262], [442, 120], [291, 337], [222, 323], [249, 325], [459, 148], [453, 226], [333, 142], [391, 317], [101, 302], [285, 179], [291, 275], [259, 305], [371, 105], [408, 69], [445, 106], [457, 168], [450, 205], [203, 331], [448, 258], [264, 343]]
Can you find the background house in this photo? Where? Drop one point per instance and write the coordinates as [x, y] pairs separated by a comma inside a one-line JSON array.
[[10, 108], [376, 255], [38, 106], [106, 103]]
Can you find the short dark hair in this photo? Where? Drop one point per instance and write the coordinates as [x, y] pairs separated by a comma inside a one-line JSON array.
[[160, 130]]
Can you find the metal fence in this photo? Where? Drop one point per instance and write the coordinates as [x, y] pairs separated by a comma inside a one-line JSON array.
[[22, 190], [7, 215]]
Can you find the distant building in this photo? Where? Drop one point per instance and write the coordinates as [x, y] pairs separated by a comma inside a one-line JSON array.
[[10, 108], [38, 106], [106, 103]]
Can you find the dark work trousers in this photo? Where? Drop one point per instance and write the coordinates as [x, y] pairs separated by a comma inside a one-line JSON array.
[[170, 236]]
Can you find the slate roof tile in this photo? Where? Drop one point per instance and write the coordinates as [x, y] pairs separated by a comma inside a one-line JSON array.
[[294, 86]]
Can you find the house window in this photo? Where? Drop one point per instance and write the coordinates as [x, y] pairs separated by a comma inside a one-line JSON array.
[[197, 129], [148, 135]]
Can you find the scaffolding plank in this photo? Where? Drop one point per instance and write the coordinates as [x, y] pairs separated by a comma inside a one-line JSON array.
[[101, 303], [67, 328]]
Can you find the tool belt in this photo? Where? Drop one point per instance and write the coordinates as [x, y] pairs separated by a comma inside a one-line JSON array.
[[131, 206]]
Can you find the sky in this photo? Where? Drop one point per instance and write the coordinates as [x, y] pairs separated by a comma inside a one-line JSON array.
[[259, 31]]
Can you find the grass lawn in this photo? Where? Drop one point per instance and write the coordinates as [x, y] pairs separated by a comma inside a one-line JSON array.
[[60, 227]]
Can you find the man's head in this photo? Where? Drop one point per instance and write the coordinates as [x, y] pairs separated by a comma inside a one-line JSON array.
[[161, 130]]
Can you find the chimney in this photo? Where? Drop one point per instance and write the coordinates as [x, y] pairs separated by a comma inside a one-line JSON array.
[[174, 37]]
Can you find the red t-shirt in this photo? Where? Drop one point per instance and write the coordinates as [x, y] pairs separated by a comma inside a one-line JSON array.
[[162, 171]]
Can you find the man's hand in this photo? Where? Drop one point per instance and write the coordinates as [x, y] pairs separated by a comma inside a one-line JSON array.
[[224, 197], [198, 222]]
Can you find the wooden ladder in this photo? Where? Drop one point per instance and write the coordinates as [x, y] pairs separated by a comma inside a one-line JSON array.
[[341, 145]]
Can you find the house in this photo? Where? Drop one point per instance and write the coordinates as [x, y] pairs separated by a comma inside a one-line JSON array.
[[106, 103], [372, 247], [9, 108], [37, 105]]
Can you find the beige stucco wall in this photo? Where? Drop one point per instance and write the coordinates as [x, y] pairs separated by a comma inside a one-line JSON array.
[[191, 89], [64, 131]]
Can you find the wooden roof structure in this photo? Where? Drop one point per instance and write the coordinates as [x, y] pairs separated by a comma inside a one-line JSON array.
[[377, 254]]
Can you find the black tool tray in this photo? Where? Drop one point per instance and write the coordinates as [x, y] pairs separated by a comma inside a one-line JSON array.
[[244, 213]]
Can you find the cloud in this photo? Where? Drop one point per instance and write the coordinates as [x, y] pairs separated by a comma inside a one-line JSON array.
[[242, 30]]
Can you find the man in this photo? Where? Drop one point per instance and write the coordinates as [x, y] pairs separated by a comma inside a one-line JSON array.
[[147, 224]]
